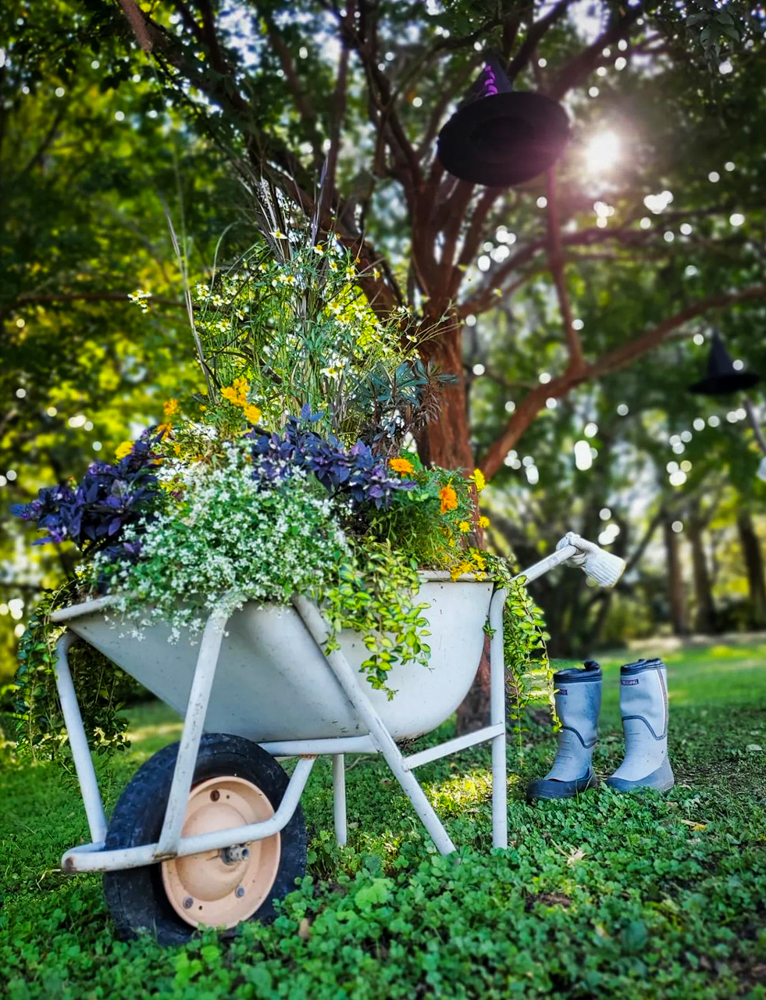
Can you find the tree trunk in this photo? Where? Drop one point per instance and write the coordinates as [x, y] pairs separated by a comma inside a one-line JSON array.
[[446, 441], [676, 595], [751, 550], [704, 612]]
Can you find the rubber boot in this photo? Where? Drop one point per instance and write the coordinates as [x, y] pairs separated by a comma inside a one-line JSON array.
[[577, 693], [644, 710]]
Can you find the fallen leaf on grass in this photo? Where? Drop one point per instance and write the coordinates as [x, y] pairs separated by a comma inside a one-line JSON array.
[[694, 825], [304, 929], [551, 899]]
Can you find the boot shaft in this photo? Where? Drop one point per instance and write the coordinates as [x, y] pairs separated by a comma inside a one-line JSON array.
[[577, 696], [644, 695], [644, 710], [577, 693]]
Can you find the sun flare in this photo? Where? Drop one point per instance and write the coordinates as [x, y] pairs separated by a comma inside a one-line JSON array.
[[602, 151]]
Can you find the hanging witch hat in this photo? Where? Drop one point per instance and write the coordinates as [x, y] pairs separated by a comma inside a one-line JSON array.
[[500, 138], [722, 377]]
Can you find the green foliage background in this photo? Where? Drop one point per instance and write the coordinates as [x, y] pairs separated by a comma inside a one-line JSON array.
[[95, 139]]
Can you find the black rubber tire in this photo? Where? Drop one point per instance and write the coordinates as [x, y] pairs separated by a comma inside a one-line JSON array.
[[136, 896]]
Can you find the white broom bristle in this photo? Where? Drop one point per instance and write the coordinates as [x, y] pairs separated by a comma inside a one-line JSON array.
[[603, 567]]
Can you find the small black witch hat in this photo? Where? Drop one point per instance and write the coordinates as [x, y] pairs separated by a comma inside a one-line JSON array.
[[500, 138], [722, 377]]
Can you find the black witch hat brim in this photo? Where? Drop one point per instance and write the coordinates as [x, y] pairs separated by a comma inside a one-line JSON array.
[[725, 385], [504, 139]]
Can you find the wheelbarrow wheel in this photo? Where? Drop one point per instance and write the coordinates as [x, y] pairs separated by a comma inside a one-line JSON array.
[[235, 783]]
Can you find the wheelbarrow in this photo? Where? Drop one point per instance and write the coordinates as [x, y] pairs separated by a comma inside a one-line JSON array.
[[210, 830]]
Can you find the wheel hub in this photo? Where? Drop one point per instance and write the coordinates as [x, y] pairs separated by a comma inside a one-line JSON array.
[[221, 888]]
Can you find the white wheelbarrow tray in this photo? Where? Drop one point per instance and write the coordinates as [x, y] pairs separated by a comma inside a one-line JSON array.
[[264, 675], [272, 682]]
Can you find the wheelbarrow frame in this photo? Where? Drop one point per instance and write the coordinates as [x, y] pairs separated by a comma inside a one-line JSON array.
[[93, 857]]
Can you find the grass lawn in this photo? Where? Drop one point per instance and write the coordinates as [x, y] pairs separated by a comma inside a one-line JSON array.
[[608, 896]]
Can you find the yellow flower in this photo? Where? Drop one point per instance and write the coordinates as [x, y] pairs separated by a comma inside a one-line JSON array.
[[252, 413], [177, 447], [483, 522], [164, 429], [460, 569], [170, 409], [464, 526], [124, 449], [478, 479], [448, 499], [402, 465], [231, 394]]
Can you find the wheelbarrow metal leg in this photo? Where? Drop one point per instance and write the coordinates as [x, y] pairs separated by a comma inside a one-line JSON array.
[[91, 858], [497, 718], [191, 734], [78, 741], [381, 737], [339, 798]]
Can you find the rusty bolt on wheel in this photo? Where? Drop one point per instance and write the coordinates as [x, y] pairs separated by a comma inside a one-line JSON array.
[[240, 892], [188, 903]]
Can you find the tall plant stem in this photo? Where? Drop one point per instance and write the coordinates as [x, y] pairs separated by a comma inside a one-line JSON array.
[[189, 306]]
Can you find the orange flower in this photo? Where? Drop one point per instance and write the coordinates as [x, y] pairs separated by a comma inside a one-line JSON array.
[[401, 465], [170, 409], [448, 498]]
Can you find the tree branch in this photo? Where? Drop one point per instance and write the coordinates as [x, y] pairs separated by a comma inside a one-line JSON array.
[[379, 82], [269, 156], [306, 112], [210, 38], [47, 139], [189, 20], [338, 111], [533, 403], [577, 69], [536, 31], [556, 267]]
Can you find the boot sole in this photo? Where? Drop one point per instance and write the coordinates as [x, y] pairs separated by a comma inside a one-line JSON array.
[[660, 780], [550, 789], [621, 785]]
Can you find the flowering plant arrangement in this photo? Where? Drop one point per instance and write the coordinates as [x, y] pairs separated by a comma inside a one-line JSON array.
[[294, 472]]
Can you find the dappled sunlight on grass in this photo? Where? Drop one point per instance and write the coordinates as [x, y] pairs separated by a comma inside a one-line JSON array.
[[151, 726], [144, 734], [460, 792]]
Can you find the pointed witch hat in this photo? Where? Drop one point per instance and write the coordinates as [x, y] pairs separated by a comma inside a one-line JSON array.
[[500, 138], [722, 377]]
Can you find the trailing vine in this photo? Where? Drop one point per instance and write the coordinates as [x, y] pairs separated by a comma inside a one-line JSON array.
[[102, 687], [528, 671]]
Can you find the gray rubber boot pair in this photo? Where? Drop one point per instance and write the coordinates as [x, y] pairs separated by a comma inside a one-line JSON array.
[[644, 710]]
